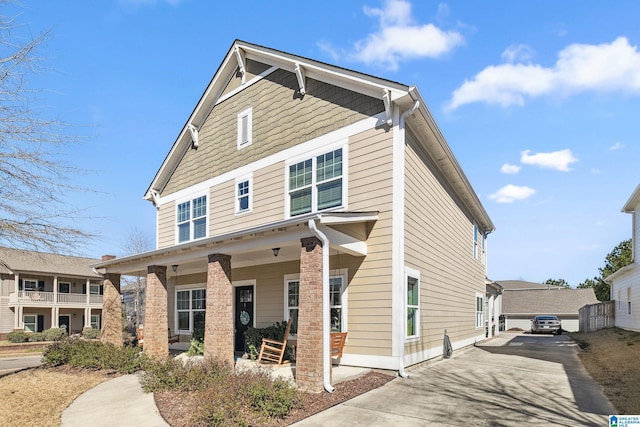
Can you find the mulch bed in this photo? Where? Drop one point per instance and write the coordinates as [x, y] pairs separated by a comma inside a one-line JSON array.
[[176, 407]]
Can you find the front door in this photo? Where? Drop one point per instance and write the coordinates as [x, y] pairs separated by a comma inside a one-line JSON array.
[[64, 321], [243, 315]]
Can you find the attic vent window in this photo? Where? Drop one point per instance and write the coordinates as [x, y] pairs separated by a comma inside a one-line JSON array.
[[245, 128]]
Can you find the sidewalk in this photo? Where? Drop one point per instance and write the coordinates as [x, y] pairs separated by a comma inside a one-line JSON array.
[[117, 402]]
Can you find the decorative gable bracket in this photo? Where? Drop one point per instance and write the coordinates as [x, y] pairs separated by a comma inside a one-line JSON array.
[[386, 98], [194, 135], [242, 63], [300, 74]]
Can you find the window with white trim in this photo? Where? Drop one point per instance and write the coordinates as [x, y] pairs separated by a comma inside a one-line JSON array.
[[245, 128], [64, 287], [191, 219], [244, 194], [413, 304], [315, 184], [479, 310], [30, 285], [94, 289], [30, 322], [191, 306], [95, 321], [337, 300]]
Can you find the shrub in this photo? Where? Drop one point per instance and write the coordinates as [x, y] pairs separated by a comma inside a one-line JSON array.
[[54, 334], [37, 337], [196, 348], [79, 352], [253, 338], [171, 374], [17, 336], [91, 333]]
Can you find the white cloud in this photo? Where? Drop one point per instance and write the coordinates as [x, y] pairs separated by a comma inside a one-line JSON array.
[[617, 146], [399, 38], [510, 193], [510, 169], [518, 52], [558, 160], [613, 67]]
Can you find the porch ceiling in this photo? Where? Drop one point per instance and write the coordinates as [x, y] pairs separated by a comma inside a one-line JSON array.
[[248, 247]]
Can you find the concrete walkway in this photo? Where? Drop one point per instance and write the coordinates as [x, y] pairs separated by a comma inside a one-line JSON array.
[[513, 380], [117, 402]]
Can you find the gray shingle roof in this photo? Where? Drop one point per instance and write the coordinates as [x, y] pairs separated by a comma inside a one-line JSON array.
[[18, 260], [546, 301], [515, 285]]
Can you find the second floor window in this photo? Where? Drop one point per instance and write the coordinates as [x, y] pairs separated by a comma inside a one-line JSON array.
[[243, 195], [315, 184], [192, 219]]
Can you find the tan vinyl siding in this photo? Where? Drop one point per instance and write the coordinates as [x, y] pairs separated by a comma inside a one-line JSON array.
[[439, 244], [6, 316], [167, 225], [280, 120], [369, 291], [268, 202]]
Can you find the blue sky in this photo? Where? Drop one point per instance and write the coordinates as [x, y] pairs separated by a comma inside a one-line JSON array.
[[539, 102]]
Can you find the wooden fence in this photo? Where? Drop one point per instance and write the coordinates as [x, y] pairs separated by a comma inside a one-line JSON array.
[[594, 317]]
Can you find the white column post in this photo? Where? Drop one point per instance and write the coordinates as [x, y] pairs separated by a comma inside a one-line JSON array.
[[20, 317], [16, 285], [55, 290], [54, 318], [87, 317], [88, 287]]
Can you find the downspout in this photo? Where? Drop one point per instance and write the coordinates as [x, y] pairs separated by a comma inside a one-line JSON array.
[[401, 372], [326, 321]]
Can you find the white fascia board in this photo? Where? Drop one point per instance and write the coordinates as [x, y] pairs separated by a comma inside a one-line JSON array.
[[347, 217], [345, 243], [633, 201]]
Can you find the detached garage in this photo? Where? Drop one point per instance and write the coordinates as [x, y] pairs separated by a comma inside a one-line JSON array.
[[521, 303]]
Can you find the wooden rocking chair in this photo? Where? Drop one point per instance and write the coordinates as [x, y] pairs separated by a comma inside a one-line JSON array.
[[337, 343], [272, 351]]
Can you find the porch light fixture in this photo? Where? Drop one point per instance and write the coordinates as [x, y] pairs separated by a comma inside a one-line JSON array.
[[276, 251], [175, 268]]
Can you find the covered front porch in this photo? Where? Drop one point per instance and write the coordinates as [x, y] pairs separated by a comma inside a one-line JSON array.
[[253, 278]]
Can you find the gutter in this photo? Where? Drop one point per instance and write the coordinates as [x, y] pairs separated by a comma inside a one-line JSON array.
[[401, 372], [326, 320]]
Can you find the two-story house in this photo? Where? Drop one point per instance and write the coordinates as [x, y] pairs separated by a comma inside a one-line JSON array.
[[625, 283], [39, 291], [298, 189]]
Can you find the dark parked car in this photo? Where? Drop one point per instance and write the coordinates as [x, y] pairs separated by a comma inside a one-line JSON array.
[[546, 324]]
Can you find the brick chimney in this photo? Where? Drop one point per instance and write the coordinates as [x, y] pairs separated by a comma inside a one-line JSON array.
[[108, 257]]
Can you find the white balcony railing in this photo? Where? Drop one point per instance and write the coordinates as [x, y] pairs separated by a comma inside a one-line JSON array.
[[48, 298]]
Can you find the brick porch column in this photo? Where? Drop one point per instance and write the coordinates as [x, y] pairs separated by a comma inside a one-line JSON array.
[[111, 311], [218, 332], [156, 323], [309, 351]]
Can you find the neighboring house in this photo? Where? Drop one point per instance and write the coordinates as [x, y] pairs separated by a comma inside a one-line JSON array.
[[522, 301], [625, 283], [39, 291], [493, 308], [302, 190]]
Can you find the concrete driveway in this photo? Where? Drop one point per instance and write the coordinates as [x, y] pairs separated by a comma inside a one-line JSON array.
[[511, 380]]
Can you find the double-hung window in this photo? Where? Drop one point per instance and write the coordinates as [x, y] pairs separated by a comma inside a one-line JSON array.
[[95, 321], [191, 305], [479, 311], [316, 184], [413, 304], [192, 219], [30, 285], [337, 301], [244, 194], [30, 322]]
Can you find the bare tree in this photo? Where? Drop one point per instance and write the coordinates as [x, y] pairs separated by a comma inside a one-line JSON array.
[[33, 177], [136, 242]]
